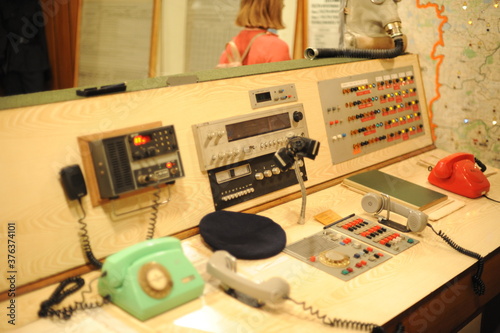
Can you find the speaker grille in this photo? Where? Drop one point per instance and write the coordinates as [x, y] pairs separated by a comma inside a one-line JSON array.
[[121, 172]]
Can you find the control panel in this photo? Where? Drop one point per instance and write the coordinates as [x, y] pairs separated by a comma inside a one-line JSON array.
[[231, 140], [136, 160], [273, 95], [336, 254], [368, 112], [350, 247], [237, 153], [249, 179]]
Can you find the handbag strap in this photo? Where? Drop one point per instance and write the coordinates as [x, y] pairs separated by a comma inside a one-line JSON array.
[[235, 54]]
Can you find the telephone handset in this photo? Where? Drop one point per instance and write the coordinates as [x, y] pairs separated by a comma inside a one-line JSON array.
[[458, 173], [222, 266], [150, 277], [375, 203]]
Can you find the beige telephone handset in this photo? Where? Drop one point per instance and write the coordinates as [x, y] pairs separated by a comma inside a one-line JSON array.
[[375, 203], [222, 266]]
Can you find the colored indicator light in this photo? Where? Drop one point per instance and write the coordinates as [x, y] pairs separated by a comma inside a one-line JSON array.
[[169, 165], [140, 140]]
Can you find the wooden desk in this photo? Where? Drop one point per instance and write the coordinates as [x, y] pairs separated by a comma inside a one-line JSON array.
[[427, 287]]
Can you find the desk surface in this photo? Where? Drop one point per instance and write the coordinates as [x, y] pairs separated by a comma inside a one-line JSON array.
[[377, 296]]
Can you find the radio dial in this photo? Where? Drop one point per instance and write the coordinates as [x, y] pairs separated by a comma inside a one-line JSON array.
[[259, 176], [268, 173], [298, 116], [276, 170]]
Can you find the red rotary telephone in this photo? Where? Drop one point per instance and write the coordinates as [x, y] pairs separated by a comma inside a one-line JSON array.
[[459, 174]]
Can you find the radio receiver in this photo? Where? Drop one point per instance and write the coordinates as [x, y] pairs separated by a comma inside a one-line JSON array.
[[136, 160], [237, 153]]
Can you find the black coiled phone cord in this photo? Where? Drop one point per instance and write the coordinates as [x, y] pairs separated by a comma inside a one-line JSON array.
[[85, 241], [154, 214], [334, 322], [477, 282], [66, 288]]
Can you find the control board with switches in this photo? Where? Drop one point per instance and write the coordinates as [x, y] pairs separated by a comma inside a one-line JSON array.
[[273, 95], [350, 247], [237, 153], [249, 179], [368, 112]]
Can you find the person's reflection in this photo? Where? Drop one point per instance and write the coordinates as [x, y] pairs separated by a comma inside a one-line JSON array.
[[258, 42], [24, 63]]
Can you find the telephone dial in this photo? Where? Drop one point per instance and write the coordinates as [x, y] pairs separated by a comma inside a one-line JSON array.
[[150, 278], [222, 266], [459, 173], [375, 203]]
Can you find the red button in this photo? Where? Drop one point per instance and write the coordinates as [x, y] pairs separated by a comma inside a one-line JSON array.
[[312, 258]]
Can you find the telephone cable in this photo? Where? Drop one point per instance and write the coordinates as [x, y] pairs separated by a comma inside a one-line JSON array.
[[84, 238], [334, 322], [66, 288], [477, 282], [154, 214]]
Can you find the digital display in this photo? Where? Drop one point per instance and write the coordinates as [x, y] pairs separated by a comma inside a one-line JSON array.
[[140, 140], [263, 97], [258, 126]]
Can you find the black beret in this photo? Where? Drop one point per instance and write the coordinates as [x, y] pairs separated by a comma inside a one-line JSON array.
[[245, 236]]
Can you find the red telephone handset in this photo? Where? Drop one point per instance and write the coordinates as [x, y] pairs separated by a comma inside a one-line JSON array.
[[459, 173]]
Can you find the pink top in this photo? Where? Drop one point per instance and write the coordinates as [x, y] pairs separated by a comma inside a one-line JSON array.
[[265, 48]]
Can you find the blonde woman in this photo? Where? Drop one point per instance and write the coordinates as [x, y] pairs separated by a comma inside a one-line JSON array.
[[258, 42]]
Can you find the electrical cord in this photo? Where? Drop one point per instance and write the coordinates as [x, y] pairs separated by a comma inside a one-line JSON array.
[[477, 282], [85, 241], [66, 288], [487, 197], [154, 214], [334, 322]]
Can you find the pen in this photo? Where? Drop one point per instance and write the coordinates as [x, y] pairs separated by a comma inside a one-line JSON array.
[[342, 219]]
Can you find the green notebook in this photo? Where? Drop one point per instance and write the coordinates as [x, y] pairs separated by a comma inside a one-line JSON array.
[[405, 192]]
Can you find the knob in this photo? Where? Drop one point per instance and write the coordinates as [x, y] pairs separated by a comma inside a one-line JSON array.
[[151, 151], [276, 170], [259, 176], [298, 116], [268, 173]]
